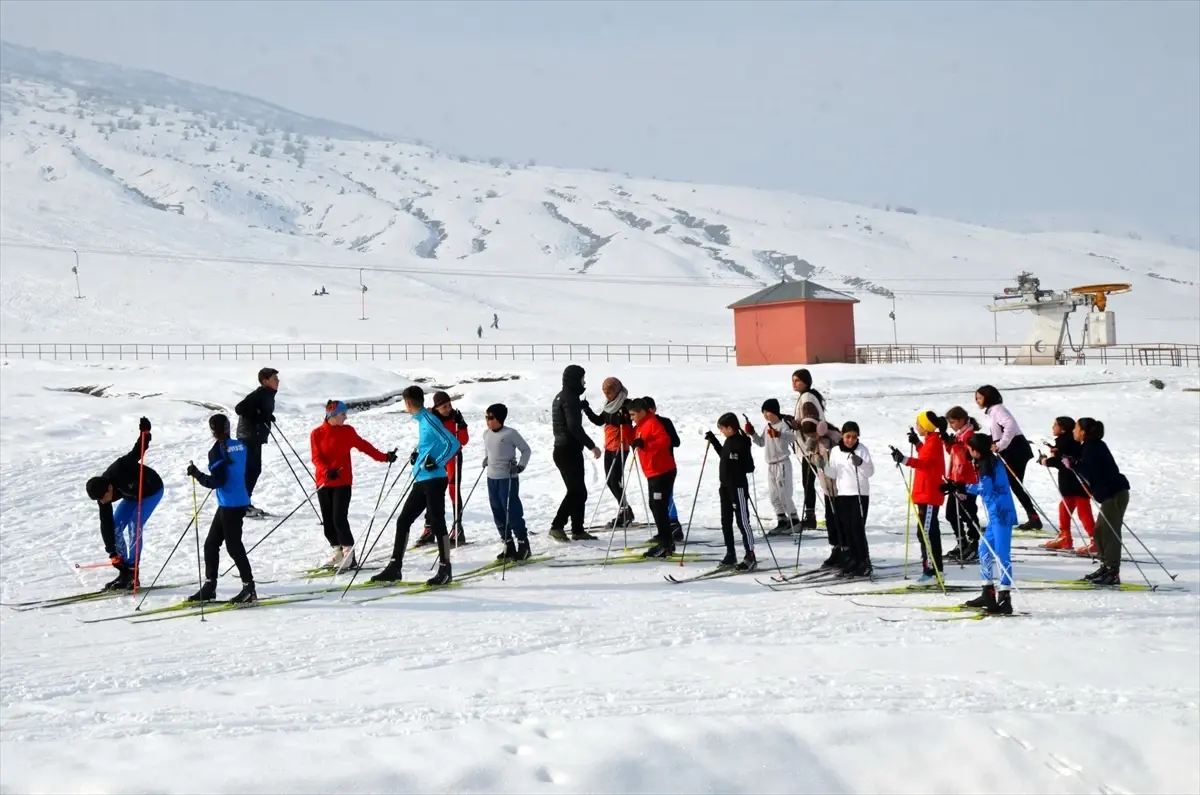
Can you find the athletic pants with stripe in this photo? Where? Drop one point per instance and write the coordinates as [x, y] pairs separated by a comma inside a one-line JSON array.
[[927, 515], [735, 504]]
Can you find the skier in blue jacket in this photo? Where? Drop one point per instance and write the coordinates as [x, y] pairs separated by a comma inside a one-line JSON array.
[[996, 546], [436, 446], [227, 476]]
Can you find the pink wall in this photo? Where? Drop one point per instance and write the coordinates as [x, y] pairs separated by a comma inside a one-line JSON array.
[[805, 332]]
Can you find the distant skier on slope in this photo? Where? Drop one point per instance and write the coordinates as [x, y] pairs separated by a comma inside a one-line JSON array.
[[227, 476], [256, 415], [479, 332], [570, 440], [137, 486], [495, 321]]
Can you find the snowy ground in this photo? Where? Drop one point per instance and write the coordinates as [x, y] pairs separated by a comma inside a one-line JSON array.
[[585, 679]]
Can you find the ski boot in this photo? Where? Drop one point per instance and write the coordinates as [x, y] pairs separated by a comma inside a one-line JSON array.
[[444, 575], [971, 553], [728, 562], [1097, 573], [855, 568], [255, 513], [1003, 604], [246, 595], [622, 519], [809, 522], [749, 563], [676, 531], [207, 592], [582, 535], [509, 552], [1062, 541], [986, 600], [1087, 549], [426, 538], [458, 538], [559, 534], [391, 572], [336, 556], [834, 560], [1109, 576], [927, 576], [659, 550], [1034, 524], [523, 552], [124, 580], [349, 561]]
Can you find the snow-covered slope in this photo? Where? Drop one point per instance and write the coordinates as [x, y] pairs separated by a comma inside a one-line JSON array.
[[139, 163]]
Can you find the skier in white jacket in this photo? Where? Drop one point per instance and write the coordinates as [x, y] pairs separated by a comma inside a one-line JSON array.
[[850, 465], [777, 440]]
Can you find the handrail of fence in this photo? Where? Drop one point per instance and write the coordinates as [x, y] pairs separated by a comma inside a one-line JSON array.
[[367, 351], [1153, 353]]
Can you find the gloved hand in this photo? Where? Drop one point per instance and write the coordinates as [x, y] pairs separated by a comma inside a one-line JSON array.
[[430, 464], [515, 468], [946, 487], [637, 444], [333, 474], [913, 439], [583, 402], [749, 429], [391, 456], [948, 438], [458, 419], [115, 560], [144, 425], [412, 458], [855, 459], [1068, 462], [271, 419], [485, 463], [710, 437], [192, 471], [898, 456]]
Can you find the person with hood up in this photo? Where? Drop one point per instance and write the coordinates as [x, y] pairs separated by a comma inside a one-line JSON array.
[[850, 465], [618, 435], [996, 549], [777, 441], [810, 405], [330, 444], [1074, 496], [929, 470], [453, 420], [570, 440], [1012, 447]]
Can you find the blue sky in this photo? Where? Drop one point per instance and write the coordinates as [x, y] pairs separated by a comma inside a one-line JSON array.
[[982, 111]]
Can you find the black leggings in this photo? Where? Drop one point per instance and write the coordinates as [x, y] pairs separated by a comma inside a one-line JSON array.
[[616, 475], [335, 515], [574, 503], [1017, 455], [226, 528]]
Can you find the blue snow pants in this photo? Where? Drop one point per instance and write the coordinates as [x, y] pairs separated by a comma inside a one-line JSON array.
[[125, 526], [506, 508], [999, 540]]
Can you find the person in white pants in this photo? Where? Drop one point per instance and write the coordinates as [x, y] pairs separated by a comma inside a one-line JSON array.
[[777, 440]]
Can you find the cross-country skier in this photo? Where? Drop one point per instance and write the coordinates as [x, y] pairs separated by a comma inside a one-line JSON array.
[[810, 404], [1074, 496], [849, 463], [570, 440], [453, 421], [777, 441], [436, 446], [227, 475], [653, 446], [256, 414], [963, 513], [330, 444], [929, 470], [501, 445], [131, 482], [814, 441], [495, 321], [672, 511], [1012, 447], [737, 461], [618, 434], [1098, 471], [996, 549]]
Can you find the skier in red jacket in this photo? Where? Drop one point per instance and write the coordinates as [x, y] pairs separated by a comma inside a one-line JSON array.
[[962, 512], [655, 455], [452, 420], [929, 470], [331, 443]]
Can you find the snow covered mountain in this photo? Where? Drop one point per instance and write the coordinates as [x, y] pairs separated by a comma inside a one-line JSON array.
[[254, 203]]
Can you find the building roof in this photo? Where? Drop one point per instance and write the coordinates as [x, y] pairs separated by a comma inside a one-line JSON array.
[[784, 292]]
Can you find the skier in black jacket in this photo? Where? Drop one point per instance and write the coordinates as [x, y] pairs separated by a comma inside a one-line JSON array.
[[129, 480], [737, 461], [256, 415], [566, 418]]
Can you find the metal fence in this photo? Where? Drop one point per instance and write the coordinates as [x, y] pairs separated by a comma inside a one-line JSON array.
[[1157, 353], [343, 351]]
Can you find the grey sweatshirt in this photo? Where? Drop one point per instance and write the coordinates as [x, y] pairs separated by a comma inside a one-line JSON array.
[[500, 448]]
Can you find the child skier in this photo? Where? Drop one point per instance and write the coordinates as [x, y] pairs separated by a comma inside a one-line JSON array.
[[672, 511], [810, 404], [139, 488], [962, 514], [618, 434], [929, 470], [1012, 447], [737, 461], [996, 549], [452, 419], [815, 441], [1098, 472], [436, 446], [850, 465], [330, 444], [501, 445], [227, 476], [777, 441], [653, 446], [1074, 496]]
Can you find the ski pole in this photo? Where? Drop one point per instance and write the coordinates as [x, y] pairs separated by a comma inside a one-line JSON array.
[[137, 536], [196, 519], [924, 537], [805, 466], [374, 513], [1117, 534], [862, 515], [758, 519], [613, 534], [1028, 494], [507, 503], [363, 563], [292, 469], [907, 515], [98, 565], [607, 477], [1071, 518], [645, 504], [695, 496], [291, 513], [303, 463], [478, 478]]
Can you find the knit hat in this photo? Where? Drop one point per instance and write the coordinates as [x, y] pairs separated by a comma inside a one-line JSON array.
[[499, 411], [850, 427], [771, 406], [334, 408], [927, 421], [440, 399]]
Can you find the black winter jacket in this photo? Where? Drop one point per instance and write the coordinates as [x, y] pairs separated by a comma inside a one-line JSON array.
[[566, 413], [1068, 484], [1099, 471], [737, 460], [255, 413], [124, 474]]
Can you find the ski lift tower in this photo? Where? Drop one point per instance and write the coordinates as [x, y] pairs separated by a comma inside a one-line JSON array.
[[1051, 311]]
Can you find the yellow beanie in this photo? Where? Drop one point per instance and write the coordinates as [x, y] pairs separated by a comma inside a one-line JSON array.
[[924, 423]]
